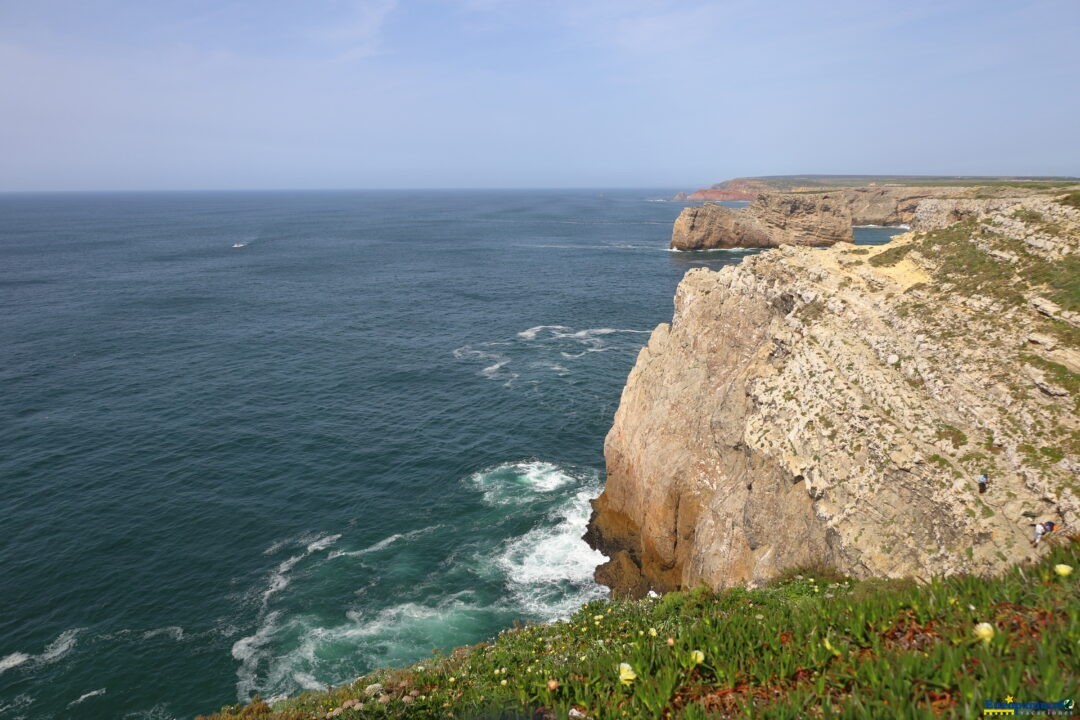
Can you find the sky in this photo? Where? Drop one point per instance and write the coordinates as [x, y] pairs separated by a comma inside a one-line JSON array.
[[259, 94]]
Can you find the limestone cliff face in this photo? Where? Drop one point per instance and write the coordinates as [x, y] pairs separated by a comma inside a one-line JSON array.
[[773, 219], [824, 405], [825, 218]]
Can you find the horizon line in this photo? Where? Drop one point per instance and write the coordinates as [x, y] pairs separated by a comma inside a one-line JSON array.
[[1032, 178]]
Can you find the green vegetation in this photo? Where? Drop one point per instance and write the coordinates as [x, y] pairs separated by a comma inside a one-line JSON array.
[[1028, 216], [1072, 199], [974, 272], [813, 644], [890, 257], [952, 434], [1057, 374]]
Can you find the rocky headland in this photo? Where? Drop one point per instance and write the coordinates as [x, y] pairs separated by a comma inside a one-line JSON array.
[[816, 217], [837, 405]]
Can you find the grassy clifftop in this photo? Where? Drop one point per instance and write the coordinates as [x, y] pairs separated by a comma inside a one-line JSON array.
[[811, 645]]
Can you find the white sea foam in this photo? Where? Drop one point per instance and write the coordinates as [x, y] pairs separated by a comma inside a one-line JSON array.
[[532, 332], [59, 647], [87, 696], [174, 631], [278, 545], [496, 361], [384, 543], [549, 569], [308, 681], [158, 712], [13, 660], [248, 651], [279, 578], [54, 651], [18, 703], [322, 543], [491, 371], [519, 482]]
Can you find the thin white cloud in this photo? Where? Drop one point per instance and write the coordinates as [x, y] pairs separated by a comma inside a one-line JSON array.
[[360, 33]]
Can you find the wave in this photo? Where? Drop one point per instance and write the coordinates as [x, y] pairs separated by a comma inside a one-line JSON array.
[[87, 696], [541, 570], [383, 544], [322, 543], [569, 344], [516, 483], [247, 650], [279, 578], [497, 360], [18, 703], [13, 660], [158, 712], [718, 250], [550, 569], [54, 651], [532, 332], [174, 631]]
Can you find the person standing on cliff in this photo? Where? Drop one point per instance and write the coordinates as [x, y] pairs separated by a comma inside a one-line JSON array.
[[1043, 529], [983, 482]]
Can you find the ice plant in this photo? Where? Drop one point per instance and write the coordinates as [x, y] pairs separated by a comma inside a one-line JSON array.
[[652, 632], [553, 685], [985, 632], [697, 657], [1063, 570], [627, 676]]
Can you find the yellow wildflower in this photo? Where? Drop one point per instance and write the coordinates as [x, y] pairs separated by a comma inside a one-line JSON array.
[[697, 657], [1063, 570], [502, 682], [985, 632], [830, 648], [627, 676], [553, 685], [652, 632]]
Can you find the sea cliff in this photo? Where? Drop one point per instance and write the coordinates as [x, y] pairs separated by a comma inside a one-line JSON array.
[[820, 218], [837, 405]]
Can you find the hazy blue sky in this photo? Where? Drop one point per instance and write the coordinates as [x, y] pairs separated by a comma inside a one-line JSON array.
[[529, 93]]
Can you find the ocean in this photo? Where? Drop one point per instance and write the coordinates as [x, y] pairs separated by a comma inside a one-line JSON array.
[[266, 442]]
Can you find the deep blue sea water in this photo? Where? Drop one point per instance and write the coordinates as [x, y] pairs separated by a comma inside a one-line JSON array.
[[262, 442]]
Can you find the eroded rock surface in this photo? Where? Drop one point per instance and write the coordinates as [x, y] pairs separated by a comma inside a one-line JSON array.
[[824, 218], [773, 219], [838, 404]]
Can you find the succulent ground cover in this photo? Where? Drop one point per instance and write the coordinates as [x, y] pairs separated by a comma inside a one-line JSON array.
[[812, 644]]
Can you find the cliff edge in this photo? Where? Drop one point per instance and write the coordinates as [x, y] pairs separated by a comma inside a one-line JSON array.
[[772, 219], [837, 405], [824, 218]]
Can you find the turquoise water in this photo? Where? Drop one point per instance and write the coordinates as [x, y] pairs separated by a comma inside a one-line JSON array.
[[256, 443]]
